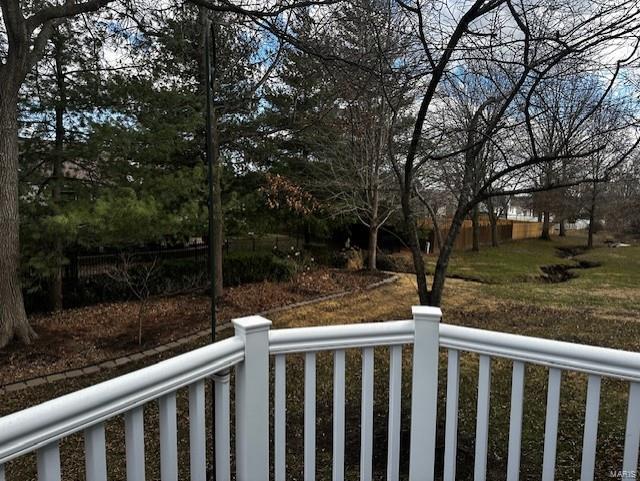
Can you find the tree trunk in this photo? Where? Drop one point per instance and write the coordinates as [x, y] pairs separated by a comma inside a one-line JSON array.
[[563, 228], [440, 274], [437, 233], [493, 220], [546, 235], [592, 217], [373, 246], [414, 246], [13, 318], [374, 226], [475, 227]]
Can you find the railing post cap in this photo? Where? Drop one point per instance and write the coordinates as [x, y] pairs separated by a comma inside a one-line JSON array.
[[426, 313], [251, 324]]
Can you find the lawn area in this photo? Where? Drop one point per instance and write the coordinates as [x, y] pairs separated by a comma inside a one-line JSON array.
[[516, 261], [600, 306], [513, 271]]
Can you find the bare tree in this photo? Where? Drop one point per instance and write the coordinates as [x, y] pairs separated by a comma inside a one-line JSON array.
[[357, 177], [608, 121], [620, 200], [497, 207], [357, 171], [522, 44], [137, 277]]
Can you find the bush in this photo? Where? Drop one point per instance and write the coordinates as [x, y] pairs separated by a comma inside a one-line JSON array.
[[243, 268], [352, 259]]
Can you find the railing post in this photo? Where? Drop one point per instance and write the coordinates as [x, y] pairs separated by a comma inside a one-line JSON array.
[[252, 400], [424, 393]]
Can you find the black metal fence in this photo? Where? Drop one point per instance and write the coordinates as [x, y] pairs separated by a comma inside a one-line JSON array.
[[89, 265]]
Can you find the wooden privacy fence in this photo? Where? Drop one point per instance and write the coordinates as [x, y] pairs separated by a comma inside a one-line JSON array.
[[526, 230], [507, 230]]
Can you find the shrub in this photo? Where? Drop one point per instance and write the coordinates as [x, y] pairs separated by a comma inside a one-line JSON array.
[[243, 268], [352, 259]]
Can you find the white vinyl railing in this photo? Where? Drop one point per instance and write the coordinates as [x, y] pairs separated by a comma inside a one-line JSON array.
[[40, 428]]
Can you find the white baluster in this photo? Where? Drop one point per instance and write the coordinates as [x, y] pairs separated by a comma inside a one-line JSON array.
[[338, 415], [515, 423], [590, 428], [95, 453], [451, 422], [252, 400], [134, 442], [49, 462], [168, 438], [482, 420], [395, 411], [551, 425], [424, 393], [632, 434], [197, 432], [222, 426], [280, 419], [310, 416], [366, 416]]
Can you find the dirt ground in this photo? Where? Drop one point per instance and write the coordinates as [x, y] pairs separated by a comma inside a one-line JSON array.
[[79, 337]]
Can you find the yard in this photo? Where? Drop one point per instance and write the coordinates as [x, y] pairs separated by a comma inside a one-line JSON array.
[[501, 289], [269, 152]]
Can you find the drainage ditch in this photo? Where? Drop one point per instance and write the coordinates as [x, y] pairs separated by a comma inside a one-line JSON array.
[[556, 273]]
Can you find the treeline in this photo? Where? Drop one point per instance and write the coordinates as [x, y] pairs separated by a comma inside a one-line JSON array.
[[378, 112]]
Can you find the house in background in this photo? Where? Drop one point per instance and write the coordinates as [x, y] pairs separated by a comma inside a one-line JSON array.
[[521, 208]]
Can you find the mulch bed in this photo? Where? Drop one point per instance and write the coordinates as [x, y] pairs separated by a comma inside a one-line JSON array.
[[78, 337]]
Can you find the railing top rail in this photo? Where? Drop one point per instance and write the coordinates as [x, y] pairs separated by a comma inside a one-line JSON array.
[[546, 352], [370, 334], [29, 429]]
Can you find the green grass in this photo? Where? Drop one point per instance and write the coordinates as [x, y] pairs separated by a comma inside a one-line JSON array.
[[516, 261], [620, 268], [513, 272], [613, 285]]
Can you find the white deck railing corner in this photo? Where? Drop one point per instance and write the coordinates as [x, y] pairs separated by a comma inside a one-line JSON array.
[[41, 427]]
